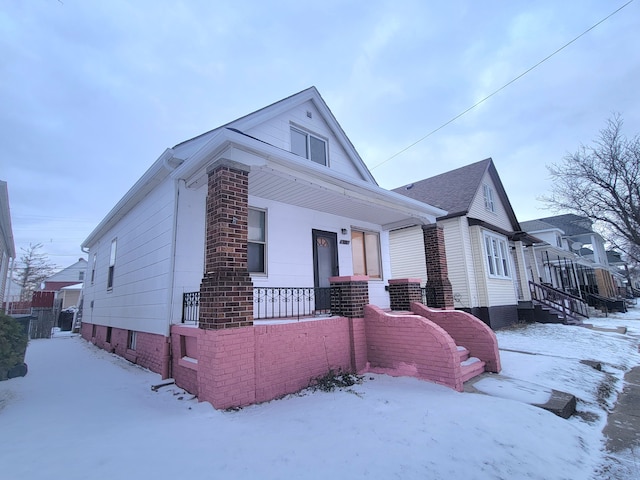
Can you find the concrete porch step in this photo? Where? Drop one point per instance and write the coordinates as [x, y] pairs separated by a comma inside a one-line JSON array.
[[560, 403], [463, 353], [471, 367]]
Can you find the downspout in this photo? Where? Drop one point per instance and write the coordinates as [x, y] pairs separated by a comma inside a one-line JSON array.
[[171, 163]]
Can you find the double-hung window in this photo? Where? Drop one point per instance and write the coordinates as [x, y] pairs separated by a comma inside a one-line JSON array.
[[365, 250], [489, 204], [308, 146], [257, 244], [112, 264], [497, 253], [93, 269]]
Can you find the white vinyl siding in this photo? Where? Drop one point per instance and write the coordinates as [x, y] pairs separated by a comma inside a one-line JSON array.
[[462, 274], [406, 249], [139, 298]]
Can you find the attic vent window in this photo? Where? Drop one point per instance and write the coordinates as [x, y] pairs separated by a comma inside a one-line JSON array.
[[489, 204], [308, 146]]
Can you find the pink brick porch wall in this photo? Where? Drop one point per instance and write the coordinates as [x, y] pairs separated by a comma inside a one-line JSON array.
[[290, 355], [241, 366], [409, 345], [467, 331], [152, 351], [185, 372]]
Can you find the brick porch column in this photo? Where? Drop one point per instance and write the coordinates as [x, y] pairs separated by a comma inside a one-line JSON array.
[[439, 291], [404, 291], [226, 291], [349, 295]]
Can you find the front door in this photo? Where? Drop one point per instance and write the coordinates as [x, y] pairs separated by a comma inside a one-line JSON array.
[[325, 265]]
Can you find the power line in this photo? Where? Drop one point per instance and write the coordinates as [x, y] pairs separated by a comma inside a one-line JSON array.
[[502, 87]]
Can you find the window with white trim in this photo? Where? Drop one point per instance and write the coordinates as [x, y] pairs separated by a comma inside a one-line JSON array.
[[112, 264], [93, 269], [489, 204], [308, 146], [365, 250], [132, 339], [257, 244], [497, 254]]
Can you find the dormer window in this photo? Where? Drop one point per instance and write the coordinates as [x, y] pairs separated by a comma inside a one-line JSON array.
[[308, 146], [488, 198]]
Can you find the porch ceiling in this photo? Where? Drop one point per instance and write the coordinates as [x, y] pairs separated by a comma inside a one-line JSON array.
[[282, 176], [292, 190]]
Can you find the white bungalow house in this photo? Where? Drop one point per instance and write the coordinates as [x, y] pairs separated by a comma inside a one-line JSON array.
[[313, 212], [483, 239]]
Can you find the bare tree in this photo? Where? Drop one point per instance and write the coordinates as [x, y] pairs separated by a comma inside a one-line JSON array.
[[33, 267], [602, 182]]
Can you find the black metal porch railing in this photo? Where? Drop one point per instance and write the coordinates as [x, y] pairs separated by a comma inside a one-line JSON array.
[[606, 304], [272, 302], [568, 305], [290, 302], [190, 307]]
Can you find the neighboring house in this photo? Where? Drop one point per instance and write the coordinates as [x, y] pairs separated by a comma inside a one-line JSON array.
[[573, 258], [70, 275], [272, 215], [70, 296], [483, 239], [7, 246]]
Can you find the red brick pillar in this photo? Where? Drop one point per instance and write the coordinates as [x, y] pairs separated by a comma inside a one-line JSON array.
[[404, 291], [439, 291], [349, 295], [226, 291]]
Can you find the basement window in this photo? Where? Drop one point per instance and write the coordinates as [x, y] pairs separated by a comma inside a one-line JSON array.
[[132, 339]]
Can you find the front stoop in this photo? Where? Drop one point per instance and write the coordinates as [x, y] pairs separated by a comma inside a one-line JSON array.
[[471, 366]]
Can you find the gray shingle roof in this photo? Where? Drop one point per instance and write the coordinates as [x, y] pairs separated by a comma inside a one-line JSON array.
[[452, 191], [536, 226], [570, 223]]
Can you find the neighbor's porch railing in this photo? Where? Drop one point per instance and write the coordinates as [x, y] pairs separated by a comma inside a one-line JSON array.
[[272, 302], [568, 305]]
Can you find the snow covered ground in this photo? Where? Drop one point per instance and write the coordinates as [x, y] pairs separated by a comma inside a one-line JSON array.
[[82, 413]]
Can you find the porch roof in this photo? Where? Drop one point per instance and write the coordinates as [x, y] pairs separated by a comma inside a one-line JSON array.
[[282, 176]]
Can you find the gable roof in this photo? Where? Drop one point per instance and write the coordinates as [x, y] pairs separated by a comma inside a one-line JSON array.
[[276, 173], [69, 273], [570, 223], [538, 226], [244, 123], [455, 190]]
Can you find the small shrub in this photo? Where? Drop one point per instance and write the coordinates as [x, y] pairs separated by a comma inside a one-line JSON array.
[[13, 344], [335, 379]]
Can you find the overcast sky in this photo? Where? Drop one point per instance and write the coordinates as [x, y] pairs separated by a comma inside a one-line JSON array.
[[92, 92]]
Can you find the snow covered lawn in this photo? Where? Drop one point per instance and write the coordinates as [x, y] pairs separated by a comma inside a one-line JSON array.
[[82, 413]]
